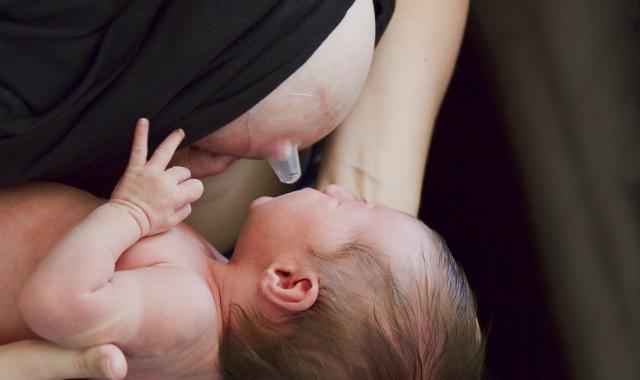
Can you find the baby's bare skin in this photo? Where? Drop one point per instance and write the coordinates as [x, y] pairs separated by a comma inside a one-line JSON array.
[[157, 303], [55, 209], [128, 273], [170, 341]]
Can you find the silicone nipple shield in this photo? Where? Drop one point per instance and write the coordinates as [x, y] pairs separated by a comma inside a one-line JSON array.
[[286, 162]]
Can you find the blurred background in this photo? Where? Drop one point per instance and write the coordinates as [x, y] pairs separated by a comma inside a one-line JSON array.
[[533, 179]]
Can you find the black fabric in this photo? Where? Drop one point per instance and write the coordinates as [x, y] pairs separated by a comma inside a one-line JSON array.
[[384, 11], [75, 75]]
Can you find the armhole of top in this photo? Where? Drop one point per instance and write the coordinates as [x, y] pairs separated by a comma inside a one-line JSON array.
[[384, 11]]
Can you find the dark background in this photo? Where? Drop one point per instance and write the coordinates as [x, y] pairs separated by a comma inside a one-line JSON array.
[[473, 196]]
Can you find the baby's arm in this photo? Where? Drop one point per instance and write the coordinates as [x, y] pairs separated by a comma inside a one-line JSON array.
[[75, 297]]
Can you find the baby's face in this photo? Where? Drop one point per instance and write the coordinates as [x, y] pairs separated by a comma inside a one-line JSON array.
[[296, 224], [289, 229]]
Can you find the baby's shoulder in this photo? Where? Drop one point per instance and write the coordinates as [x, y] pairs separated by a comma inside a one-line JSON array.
[[181, 246]]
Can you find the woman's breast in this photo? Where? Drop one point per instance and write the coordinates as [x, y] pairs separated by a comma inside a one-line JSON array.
[[324, 89], [313, 100]]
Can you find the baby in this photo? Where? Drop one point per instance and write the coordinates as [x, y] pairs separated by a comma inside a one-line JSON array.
[[320, 286]]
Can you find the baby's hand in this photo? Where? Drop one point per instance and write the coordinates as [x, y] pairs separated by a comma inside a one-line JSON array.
[[158, 199]]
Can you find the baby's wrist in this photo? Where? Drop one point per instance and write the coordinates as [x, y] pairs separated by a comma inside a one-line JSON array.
[[135, 212]]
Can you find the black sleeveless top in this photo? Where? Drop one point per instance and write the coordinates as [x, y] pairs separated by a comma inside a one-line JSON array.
[[75, 75]]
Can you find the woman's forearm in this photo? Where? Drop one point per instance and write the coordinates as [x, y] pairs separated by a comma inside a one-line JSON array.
[[380, 150], [42, 360]]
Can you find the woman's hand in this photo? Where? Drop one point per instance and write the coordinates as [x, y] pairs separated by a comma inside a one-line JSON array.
[[158, 198], [41, 360]]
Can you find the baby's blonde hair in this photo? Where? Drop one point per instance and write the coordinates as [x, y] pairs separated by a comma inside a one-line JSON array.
[[377, 325]]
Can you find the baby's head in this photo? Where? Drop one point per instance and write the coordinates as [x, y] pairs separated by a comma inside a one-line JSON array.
[[327, 286]]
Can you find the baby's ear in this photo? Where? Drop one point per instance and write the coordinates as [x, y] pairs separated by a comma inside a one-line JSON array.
[[290, 287]]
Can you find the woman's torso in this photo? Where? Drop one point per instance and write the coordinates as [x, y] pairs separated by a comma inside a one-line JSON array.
[[33, 217]]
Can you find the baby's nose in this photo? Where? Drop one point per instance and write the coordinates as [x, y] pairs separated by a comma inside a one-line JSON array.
[[338, 192]]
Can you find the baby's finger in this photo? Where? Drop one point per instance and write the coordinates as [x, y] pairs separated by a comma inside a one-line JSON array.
[[139, 148], [179, 173], [166, 149], [191, 190], [182, 213]]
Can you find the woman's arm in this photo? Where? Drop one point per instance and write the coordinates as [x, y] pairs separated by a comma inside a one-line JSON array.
[[381, 148], [75, 297]]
